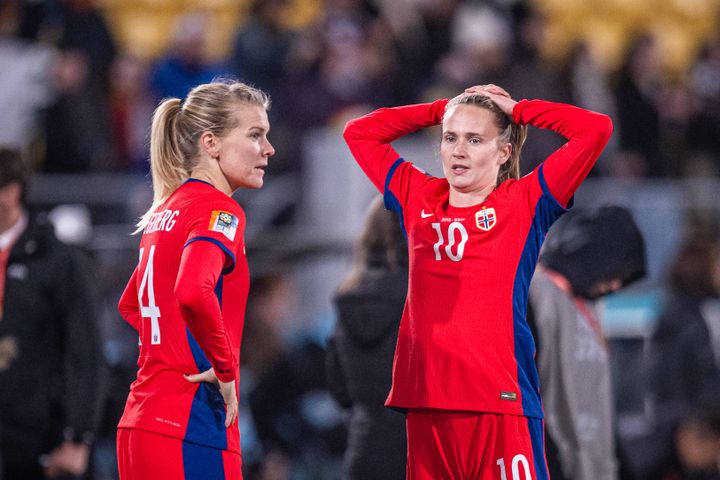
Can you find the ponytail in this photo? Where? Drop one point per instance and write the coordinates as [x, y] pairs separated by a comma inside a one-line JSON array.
[[166, 159], [516, 136]]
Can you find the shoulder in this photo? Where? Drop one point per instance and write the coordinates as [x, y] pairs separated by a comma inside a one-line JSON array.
[[203, 200]]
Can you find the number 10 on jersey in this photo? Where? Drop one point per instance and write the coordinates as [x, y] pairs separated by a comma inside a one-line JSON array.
[[454, 229], [151, 310]]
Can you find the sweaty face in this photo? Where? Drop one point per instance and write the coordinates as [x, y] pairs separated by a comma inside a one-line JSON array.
[[244, 151], [470, 152]]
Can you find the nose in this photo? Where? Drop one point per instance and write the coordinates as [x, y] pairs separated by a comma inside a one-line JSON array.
[[459, 149], [269, 149]]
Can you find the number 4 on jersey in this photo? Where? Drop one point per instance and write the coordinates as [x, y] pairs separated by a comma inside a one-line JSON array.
[[151, 310]]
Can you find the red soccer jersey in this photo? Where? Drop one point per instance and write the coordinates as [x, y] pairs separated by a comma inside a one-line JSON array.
[[174, 342], [464, 343]]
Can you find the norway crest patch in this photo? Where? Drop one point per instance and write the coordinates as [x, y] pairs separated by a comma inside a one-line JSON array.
[[223, 222], [485, 219]]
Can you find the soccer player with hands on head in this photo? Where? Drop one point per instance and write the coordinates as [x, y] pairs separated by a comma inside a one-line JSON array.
[[464, 368], [187, 296]]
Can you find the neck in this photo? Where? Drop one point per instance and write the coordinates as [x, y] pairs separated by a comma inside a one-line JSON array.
[[210, 172], [469, 199]]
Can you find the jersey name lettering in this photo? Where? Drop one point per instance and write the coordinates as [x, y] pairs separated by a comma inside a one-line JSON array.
[[162, 221]]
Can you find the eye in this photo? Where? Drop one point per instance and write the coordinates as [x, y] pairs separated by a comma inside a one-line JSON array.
[[474, 141], [255, 135], [448, 138]]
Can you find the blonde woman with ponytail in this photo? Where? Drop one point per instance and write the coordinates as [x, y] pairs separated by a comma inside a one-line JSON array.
[[464, 367], [186, 297]]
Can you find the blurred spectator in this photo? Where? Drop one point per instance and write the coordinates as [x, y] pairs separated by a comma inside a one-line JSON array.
[[76, 125], [370, 302], [131, 107], [696, 452], [50, 357], [186, 63], [637, 96], [682, 368], [704, 84], [528, 75], [421, 30], [296, 420], [481, 39], [25, 84], [261, 46], [588, 254], [587, 85]]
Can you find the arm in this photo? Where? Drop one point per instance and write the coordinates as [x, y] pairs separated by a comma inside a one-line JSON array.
[[128, 304], [200, 268], [79, 312], [587, 133], [369, 137]]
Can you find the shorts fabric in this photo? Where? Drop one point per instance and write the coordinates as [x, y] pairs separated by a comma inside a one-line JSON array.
[[144, 455], [448, 445]]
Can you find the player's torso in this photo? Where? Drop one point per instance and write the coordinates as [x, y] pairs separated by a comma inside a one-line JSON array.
[[161, 399], [466, 259]]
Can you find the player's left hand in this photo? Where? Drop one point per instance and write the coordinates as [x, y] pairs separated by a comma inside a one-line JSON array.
[[69, 458]]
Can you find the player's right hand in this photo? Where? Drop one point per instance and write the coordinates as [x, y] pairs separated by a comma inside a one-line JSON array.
[[227, 390], [229, 394]]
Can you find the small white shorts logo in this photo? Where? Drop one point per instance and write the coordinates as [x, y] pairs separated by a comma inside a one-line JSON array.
[[512, 396]]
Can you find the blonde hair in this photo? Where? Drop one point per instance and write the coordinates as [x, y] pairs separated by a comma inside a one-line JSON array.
[[510, 132], [177, 126]]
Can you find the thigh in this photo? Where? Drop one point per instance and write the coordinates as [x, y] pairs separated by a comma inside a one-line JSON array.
[[474, 446], [143, 455], [519, 450]]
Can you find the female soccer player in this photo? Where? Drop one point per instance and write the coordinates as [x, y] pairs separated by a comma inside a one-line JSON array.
[[464, 368], [187, 296]]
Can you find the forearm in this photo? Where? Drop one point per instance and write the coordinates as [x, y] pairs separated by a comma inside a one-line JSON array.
[[369, 137], [587, 133], [198, 276]]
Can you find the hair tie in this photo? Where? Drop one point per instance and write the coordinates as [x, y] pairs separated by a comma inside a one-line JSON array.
[[182, 103]]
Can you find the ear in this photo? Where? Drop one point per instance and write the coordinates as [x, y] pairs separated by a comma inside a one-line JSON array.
[[210, 144], [504, 153]]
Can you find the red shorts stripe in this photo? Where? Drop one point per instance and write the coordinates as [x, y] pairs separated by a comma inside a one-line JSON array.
[[474, 446], [144, 455]]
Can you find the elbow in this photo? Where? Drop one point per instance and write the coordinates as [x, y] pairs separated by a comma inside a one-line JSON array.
[[605, 127], [350, 132], [187, 298]]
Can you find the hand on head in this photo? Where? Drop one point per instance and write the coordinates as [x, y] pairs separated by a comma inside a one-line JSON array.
[[497, 94]]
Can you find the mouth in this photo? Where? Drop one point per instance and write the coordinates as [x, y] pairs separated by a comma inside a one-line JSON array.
[[261, 168], [458, 169]]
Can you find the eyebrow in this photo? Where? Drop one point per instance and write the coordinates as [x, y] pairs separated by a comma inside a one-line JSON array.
[[467, 134]]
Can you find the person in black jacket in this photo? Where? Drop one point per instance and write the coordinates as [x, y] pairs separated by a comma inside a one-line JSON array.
[[369, 305], [50, 351]]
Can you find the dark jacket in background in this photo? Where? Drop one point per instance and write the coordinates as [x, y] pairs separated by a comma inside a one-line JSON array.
[[50, 350], [360, 359]]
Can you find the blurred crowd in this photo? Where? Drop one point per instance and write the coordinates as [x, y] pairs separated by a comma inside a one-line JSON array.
[[74, 102], [78, 103]]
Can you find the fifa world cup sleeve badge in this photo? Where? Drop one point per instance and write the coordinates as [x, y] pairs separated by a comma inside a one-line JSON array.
[[224, 222], [485, 219]]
